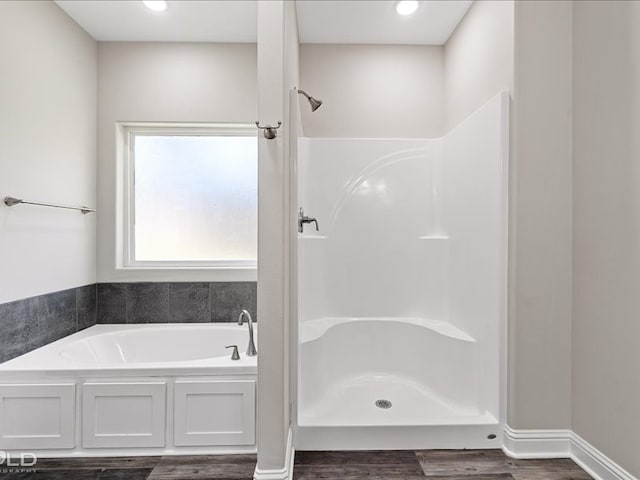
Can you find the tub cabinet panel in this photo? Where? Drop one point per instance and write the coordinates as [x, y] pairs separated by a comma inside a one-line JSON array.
[[123, 414], [37, 416], [214, 413]]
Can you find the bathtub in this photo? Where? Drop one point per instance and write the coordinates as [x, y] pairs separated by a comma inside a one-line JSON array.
[[132, 390], [391, 382]]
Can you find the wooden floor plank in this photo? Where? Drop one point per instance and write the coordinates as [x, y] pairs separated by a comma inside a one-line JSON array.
[[365, 457], [463, 462], [491, 476], [240, 459], [202, 471], [483, 462], [124, 474], [81, 474], [361, 471], [96, 463], [576, 474]]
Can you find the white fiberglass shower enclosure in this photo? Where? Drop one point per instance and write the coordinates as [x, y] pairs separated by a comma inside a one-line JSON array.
[[401, 338]]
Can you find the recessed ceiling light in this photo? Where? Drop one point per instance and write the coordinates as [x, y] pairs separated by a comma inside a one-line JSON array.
[[407, 7], [155, 5]]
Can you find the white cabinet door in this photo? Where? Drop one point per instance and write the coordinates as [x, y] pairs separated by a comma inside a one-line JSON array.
[[214, 412], [123, 414], [37, 416]]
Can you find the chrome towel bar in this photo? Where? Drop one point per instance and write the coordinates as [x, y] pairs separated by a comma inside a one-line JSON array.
[[11, 201]]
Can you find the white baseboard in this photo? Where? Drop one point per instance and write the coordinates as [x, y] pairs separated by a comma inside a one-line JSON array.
[[596, 463], [537, 443], [562, 444], [285, 473]]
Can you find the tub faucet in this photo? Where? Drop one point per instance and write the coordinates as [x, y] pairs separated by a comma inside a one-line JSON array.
[[251, 349], [234, 355]]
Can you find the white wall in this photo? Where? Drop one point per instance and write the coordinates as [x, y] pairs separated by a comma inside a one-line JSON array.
[[540, 219], [48, 150], [478, 59], [165, 82], [292, 118], [476, 194], [277, 68], [606, 229], [373, 91], [372, 197]]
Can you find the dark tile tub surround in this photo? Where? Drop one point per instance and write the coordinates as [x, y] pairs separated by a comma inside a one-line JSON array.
[[175, 302], [36, 321]]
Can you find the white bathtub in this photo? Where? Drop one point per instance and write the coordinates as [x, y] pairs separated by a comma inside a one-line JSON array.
[[143, 347], [132, 390]]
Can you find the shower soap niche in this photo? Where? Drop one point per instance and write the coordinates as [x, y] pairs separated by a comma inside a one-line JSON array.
[[312, 237]]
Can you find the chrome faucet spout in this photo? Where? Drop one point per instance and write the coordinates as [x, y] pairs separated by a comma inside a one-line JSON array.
[[251, 349]]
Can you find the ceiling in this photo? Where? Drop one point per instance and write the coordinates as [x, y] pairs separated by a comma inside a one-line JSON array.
[[376, 21], [319, 21], [183, 21]]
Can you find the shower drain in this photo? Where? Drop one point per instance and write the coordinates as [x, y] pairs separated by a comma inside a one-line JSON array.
[[383, 404]]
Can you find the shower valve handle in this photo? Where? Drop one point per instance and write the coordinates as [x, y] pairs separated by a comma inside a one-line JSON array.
[[302, 219]]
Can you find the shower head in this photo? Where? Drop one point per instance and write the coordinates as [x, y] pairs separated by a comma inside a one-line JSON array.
[[315, 104]]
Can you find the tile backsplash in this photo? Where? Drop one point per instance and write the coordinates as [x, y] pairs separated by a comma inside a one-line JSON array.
[[37, 321], [175, 302]]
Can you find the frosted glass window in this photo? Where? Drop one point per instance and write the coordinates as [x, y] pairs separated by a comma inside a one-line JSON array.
[[195, 198]]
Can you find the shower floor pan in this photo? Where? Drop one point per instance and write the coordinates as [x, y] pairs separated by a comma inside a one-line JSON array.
[[387, 400], [390, 383]]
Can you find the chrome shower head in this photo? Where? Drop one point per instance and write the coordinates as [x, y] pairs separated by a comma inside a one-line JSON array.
[[315, 103]]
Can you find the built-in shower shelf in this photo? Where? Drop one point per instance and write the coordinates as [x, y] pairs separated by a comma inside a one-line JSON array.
[[313, 329], [434, 237], [312, 237]]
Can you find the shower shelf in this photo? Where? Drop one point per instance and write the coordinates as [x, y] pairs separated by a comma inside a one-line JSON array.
[[313, 329], [312, 237], [434, 237]]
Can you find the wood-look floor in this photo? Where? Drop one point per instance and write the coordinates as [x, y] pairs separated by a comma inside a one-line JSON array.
[[432, 465], [396, 465]]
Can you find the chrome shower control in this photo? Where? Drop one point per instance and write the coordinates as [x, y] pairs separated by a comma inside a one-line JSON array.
[[302, 219]]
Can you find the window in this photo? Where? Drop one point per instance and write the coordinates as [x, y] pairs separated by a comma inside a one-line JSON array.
[[191, 196]]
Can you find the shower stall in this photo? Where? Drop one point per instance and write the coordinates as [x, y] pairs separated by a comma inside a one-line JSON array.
[[401, 330]]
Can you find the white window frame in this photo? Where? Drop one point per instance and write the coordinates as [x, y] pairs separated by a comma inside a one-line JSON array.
[[126, 243]]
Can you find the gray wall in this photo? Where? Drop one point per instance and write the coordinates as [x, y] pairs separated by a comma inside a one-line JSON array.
[[393, 91], [47, 151], [176, 302], [540, 219], [33, 322], [478, 59], [606, 229], [165, 82]]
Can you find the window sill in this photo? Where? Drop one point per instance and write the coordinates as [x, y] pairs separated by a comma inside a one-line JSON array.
[[184, 274], [183, 267]]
